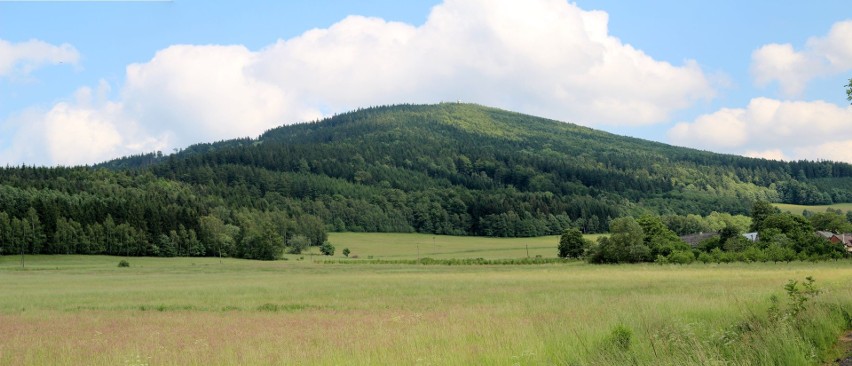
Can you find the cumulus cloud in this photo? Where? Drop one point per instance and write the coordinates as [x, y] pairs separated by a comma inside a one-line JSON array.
[[24, 57], [198, 93], [838, 150], [821, 56], [773, 129], [545, 57], [83, 130], [771, 154]]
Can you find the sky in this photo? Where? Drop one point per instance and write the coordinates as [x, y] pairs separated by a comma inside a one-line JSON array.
[[82, 82]]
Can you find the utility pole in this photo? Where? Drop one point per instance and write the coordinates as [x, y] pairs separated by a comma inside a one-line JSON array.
[[23, 245]]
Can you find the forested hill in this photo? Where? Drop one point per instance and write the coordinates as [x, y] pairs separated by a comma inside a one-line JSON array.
[[469, 169], [447, 169]]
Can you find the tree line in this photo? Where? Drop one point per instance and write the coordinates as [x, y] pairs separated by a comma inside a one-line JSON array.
[[94, 211], [455, 169], [781, 236]]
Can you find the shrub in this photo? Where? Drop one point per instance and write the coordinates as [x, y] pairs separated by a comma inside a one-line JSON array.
[[298, 243], [346, 252], [327, 249], [268, 307], [681, 257], [620, 337], [123, 263], [799, 296]]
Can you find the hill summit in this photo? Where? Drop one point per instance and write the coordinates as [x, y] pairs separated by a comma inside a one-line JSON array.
[[456, 168]]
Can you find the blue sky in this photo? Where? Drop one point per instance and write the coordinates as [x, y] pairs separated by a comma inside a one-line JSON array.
[[82, 82]]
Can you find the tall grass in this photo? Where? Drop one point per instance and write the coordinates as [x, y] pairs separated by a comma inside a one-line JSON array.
[[165, 311]]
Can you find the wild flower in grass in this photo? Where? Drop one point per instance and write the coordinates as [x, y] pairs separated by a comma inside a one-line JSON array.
[[524, 358], [137, 360], [425, 362], [201, 343], [433, 359]]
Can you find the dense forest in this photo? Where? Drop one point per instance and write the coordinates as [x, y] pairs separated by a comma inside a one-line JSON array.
[[457, 169]]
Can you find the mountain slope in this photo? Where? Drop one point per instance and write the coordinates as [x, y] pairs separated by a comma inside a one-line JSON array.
[[446, 169], [468, 169]]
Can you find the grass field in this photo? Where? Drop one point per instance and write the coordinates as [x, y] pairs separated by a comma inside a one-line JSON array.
[[72, 310], [412, 246], [797, 209]]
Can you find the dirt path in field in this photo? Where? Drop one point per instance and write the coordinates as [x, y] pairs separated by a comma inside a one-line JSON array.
[[846, 345]]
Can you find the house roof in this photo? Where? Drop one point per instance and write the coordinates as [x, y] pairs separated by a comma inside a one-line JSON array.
[[695, 239], [751, 236], [825, 234]]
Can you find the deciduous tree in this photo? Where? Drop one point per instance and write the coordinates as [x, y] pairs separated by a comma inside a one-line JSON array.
[[849, 91], [760, 210], [572, 244]]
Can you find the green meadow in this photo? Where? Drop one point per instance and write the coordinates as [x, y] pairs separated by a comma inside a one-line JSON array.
[[72, 310], [412, 246], [798, 209]]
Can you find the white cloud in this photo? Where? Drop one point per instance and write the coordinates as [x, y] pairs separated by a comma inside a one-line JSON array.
[[199, 93], [85, 130], [24, 57], [723, 129], [545, 57], [838, 150], [75, 134], [821, 56], [771, 154], [773, 129]]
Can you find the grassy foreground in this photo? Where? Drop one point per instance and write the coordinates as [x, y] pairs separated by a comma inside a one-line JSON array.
[[70, 310]]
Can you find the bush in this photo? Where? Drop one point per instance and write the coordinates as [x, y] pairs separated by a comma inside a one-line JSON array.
[[682, 257], [298, 243], [327, 249], [620, 337], [799, 296], [346, 252], [123, 263]]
